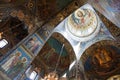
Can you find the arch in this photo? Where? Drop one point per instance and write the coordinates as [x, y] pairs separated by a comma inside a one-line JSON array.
[[51, 58], [101, 60]]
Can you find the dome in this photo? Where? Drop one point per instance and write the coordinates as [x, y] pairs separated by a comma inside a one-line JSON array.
[[82, 23]]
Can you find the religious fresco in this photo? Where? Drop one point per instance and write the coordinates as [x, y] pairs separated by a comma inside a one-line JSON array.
[[103, 62], [102, 34], [16, 22], [33, 11], [54, 48], [54, 55], [16, 63], [109, 8], [27, 15], [33, 44], [44, 32], [83, 28]]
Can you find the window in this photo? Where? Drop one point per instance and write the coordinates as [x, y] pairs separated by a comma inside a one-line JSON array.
[[33, 75], [3, 43]]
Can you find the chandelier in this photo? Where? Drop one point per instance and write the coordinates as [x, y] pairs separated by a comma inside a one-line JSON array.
[[51, 76]]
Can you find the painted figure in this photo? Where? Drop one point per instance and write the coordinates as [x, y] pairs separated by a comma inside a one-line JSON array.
[[11, 61], [18, 68], [103, 57], [114, 5], [33, 44]]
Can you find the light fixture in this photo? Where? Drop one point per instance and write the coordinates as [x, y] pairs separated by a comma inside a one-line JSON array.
[[51, 76]]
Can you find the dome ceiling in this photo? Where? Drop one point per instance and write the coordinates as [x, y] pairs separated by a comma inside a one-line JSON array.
[[83, 22]]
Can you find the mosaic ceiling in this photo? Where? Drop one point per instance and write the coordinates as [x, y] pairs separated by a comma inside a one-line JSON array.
[[28, 13]]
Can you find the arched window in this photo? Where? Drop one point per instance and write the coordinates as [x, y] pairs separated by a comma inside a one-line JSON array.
[[33, 75], [3, 43]]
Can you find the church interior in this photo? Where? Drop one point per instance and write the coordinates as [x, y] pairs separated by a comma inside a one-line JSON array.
[[59, 40]]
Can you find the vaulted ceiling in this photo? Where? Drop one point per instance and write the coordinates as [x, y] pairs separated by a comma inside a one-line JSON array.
[[23, 18]]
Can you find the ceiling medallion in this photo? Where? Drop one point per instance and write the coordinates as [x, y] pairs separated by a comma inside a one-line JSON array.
[[19, 14], [30, 4], [83, 24]]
